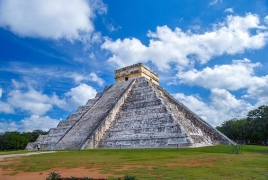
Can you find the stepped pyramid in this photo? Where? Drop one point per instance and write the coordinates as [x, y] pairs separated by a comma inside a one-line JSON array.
[[135, 112]]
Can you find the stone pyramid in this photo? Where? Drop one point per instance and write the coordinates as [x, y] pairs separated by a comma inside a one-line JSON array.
[[135, 112]]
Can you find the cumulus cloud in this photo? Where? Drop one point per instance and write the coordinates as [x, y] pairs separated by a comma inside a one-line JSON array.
[[236, 76], [221, 107], [90, 77], [79, 95], [37, 104], [35, 122], [258, 89], [29, 124], [8, 125], [185, 48], [5, 107], [126, 51], [33, 101], [266, 19], [53, 19], [239, 74], [26, 98]]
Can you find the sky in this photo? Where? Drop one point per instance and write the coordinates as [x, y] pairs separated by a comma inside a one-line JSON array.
[[211, 55]]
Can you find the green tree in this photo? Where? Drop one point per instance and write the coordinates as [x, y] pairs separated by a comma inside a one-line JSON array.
[[235, 129], [253, 129], [32, 136], [16, 140], [258, 124]]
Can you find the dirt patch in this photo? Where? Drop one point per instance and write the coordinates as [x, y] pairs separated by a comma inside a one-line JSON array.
[[191, 163], [5, 163], [127, 167], [95, 173]]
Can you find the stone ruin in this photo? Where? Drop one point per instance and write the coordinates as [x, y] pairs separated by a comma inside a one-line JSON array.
[[135, 112]]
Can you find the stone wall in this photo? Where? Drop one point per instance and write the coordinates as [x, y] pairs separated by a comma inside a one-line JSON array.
[[81, 131], [96, 136], [144, 122], [150, 117], [199, 130], [54, 135]]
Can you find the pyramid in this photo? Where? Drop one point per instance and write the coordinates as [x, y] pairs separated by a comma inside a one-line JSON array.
[[135, 112]]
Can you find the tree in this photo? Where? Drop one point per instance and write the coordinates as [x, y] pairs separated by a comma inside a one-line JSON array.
[[253, 129], [258, 124], [16, 140], [235, 129], [32, 136]]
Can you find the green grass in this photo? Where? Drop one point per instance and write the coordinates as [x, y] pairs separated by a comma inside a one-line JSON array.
[[215, 162], [14, 152]]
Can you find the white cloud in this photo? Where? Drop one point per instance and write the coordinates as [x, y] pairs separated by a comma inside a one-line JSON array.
[[7, 125], [90, 77], [79, 95], [215, 2], [258, 89], [37, 102], [16, 84], [126, 52], [33, 101], [32, 73], [230, 10], [222, 106], [99, 6], [29, 124], [184, 48], [47, 19], [236, 76], [5, 107], [266, 19], [239, 74], [93, 77], [36, 122]]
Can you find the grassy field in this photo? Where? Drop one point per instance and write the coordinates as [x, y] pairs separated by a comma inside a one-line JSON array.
[[216, 162], [14, 152]]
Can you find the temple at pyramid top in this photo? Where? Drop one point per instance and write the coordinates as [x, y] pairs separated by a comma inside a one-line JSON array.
[[135, 71]]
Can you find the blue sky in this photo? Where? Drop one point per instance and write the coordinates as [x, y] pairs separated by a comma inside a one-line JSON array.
[[210, 55]]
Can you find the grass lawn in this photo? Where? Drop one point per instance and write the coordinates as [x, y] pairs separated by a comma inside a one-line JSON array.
[[14, 152], [215, 162]]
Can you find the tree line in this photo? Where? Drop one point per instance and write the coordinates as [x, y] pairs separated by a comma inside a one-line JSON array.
[[252, 129], [16, 140]]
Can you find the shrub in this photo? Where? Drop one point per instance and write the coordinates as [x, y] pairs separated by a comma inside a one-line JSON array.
[[53, 176], [127, 177]]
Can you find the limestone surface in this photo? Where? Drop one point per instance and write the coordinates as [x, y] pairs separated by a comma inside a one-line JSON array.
[[132, 114]]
